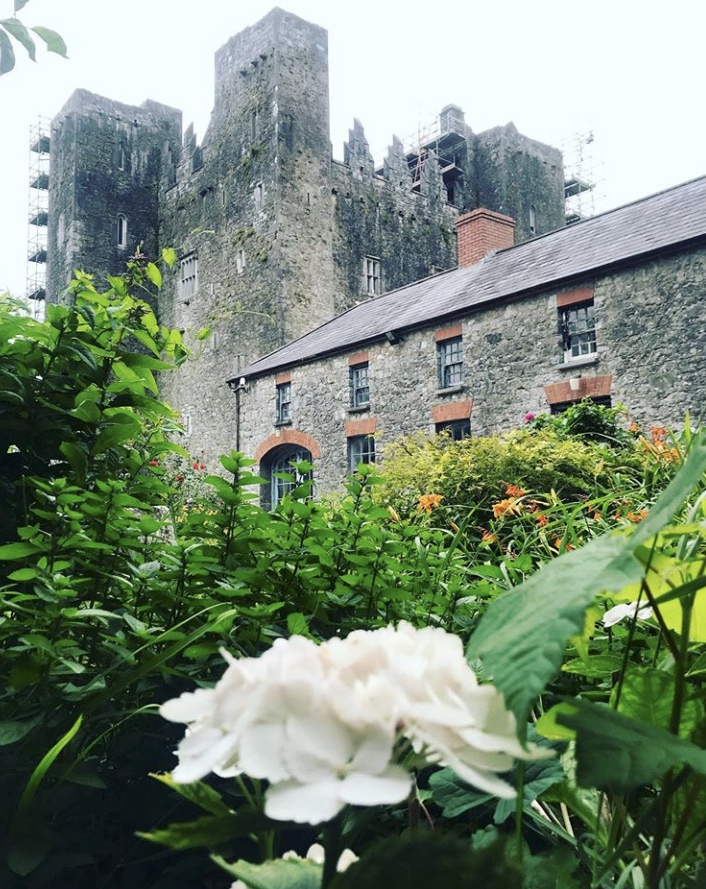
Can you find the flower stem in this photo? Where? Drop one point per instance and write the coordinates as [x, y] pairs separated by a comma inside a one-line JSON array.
[[332, 837]]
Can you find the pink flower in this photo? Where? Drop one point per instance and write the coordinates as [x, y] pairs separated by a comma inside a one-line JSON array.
[[529, 417]]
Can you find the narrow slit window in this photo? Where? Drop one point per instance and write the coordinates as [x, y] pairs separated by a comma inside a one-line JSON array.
[[121, 232]]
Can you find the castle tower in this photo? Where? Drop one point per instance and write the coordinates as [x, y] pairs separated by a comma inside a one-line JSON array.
[[105, 168], [250, 213]]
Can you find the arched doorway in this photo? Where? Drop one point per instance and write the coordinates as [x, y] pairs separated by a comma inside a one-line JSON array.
[[281, 476]]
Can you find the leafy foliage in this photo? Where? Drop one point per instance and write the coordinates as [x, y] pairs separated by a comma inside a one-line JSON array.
[[15, 29], [126, 564]]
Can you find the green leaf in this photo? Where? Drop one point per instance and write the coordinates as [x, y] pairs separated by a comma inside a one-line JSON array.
[[522, 637], [698, 667], [43, 767], [53, 41], [200, 794], [297, 624], [23, 574], [15, 27], [620, 754], [279, 874], [551, 727], [13, 730], [595, 666], [7, 53], [169, 256], [19, 4], [648, 695], [453, 795], [113, 435], [154, 274], [27, 851], [210, 831], [18, 550]]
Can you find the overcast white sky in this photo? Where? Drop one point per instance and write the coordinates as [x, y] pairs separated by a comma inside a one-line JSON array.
[[632, 71]]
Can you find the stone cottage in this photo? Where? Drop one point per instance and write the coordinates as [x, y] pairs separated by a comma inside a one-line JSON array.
[[611, 308]]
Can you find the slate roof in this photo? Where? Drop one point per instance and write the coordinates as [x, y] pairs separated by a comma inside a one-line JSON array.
[[662, 222]]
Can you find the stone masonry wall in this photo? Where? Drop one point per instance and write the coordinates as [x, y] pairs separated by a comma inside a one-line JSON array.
[[650, 357], [106, 160]]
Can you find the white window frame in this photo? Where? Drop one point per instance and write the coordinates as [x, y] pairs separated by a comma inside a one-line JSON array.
[[360, 384], [372, 271], [189, 276], [239, 260], [361, 450], [450, 362], [284, 402], [577, 325]]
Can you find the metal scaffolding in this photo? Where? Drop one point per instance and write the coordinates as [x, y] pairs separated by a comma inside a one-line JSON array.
[[39, 145]]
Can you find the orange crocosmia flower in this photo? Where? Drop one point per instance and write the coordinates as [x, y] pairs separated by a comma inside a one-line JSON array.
[[510, 506], [427, 502], [596, 516], [487, 537], [633, 427], [542, 519], [659, 433], [514, 491], [637, 516]]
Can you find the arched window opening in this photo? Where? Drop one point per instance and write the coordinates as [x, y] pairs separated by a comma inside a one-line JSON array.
[[121, 233], [281, 476]]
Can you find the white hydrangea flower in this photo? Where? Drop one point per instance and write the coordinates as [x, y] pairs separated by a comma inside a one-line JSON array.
[[320, 723], [628, 609]]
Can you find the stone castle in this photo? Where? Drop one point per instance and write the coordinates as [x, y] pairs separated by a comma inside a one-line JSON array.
[[274, 236]]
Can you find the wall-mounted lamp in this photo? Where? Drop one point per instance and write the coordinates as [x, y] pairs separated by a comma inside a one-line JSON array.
[[575, 384], [392, 337], [238, 385]]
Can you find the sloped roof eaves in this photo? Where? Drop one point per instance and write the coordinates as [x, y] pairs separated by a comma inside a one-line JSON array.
[[662, 222]]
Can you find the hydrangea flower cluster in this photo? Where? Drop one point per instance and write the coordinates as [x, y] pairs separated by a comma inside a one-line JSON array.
[[322, 723]]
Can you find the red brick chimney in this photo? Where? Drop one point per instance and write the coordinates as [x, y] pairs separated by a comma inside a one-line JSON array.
[[481, 231]]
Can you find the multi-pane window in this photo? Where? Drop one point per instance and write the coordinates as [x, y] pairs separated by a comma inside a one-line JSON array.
[[284, 402], [450, 359], [283, 475], [259, 195], [361, 449], [188, 276], [239, 260], [360, 391], [373, 278], [578, 330], [456, 429]]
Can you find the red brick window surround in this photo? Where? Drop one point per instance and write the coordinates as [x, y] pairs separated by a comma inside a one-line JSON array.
[[456, 410], [365, 426], [578, 389], [573, 297], [449, 333]]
